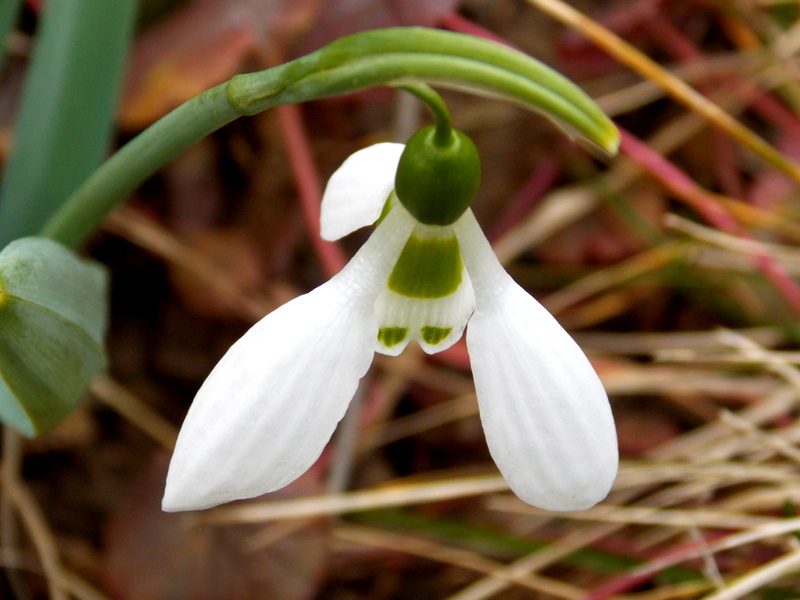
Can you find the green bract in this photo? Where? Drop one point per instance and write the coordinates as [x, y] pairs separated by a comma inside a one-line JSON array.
[[52, 323], [437, 179]]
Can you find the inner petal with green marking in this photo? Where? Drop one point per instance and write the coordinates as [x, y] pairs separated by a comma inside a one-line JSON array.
[[428, 267], [428, 295]]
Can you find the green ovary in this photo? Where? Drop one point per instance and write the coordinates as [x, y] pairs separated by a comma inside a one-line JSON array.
[[391, 336], [427, 268], [434, 335]]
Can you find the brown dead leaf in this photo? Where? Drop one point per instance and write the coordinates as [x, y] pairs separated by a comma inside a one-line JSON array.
[[605, 237], [153, 555], [200, 46], [343, 17], [232, 256]]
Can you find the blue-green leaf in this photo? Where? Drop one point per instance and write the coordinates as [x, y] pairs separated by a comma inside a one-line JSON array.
[[52, 323]]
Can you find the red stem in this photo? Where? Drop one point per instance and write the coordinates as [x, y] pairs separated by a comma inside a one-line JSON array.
[[539, 182], [680, 184], [455, 22], [308, 185], [645, 573]]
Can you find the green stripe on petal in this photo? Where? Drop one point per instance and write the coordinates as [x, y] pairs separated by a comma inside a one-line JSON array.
[[434, 335], [387, 206], [427, 268], [391, 336]]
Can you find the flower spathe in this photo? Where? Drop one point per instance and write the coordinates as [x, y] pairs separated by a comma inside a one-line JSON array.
[[265, 413]]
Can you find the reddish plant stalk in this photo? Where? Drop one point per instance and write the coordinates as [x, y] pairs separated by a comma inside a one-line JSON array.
[[308, 184], [537, 185], [682, 186]]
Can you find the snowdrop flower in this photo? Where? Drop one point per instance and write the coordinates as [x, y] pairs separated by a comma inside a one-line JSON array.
[[266, 411]]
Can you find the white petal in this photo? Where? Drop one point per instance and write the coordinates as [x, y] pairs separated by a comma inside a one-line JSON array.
[[357, 191], [268, 408], [546, 415]]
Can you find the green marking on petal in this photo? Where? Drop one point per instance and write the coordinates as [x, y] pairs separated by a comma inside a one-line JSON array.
[[434, 335], [387, 206], [427, 268], [391, 336]]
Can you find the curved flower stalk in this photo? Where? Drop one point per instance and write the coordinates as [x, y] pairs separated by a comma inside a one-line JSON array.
[[397, 56], [427, 272]]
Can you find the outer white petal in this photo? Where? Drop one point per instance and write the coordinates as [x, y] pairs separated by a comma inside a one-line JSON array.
[[269, 407], [357, 191], [546, 415]]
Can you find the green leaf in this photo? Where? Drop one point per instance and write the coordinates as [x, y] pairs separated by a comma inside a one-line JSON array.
[[67, 109], [52, 323]]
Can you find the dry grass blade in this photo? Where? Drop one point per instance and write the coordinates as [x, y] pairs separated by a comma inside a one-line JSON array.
[[641, 516], [641, 473], [630, 56], [563, 206], [135, 410], [498, 580], [454, 556], [732, 242], [396, 495], [779, 444], [33, 519], [648, 343], [759, 577], [148, 234], [755, 352], [461, 407], [617, 275], [642, 93]]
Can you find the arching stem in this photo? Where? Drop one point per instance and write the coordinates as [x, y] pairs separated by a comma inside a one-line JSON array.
[[441, 114]]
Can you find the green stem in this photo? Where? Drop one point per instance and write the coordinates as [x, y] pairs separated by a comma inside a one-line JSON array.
[[135, 162], [400, 57], [441, 114], [455, 72]]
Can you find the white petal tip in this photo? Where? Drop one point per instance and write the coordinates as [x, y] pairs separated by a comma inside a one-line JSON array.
[[170, 504], [180, 497], [357, 191], [266, 411], [567, 496]]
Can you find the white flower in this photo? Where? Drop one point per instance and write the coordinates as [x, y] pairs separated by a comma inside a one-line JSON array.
[[266, 411]]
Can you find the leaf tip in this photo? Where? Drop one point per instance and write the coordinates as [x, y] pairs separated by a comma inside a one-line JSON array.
[[609, 140]]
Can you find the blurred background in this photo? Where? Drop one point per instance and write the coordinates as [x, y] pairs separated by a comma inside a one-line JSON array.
[[674, 265]]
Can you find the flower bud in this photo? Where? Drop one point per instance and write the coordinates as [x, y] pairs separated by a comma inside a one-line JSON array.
[[437, 179]]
